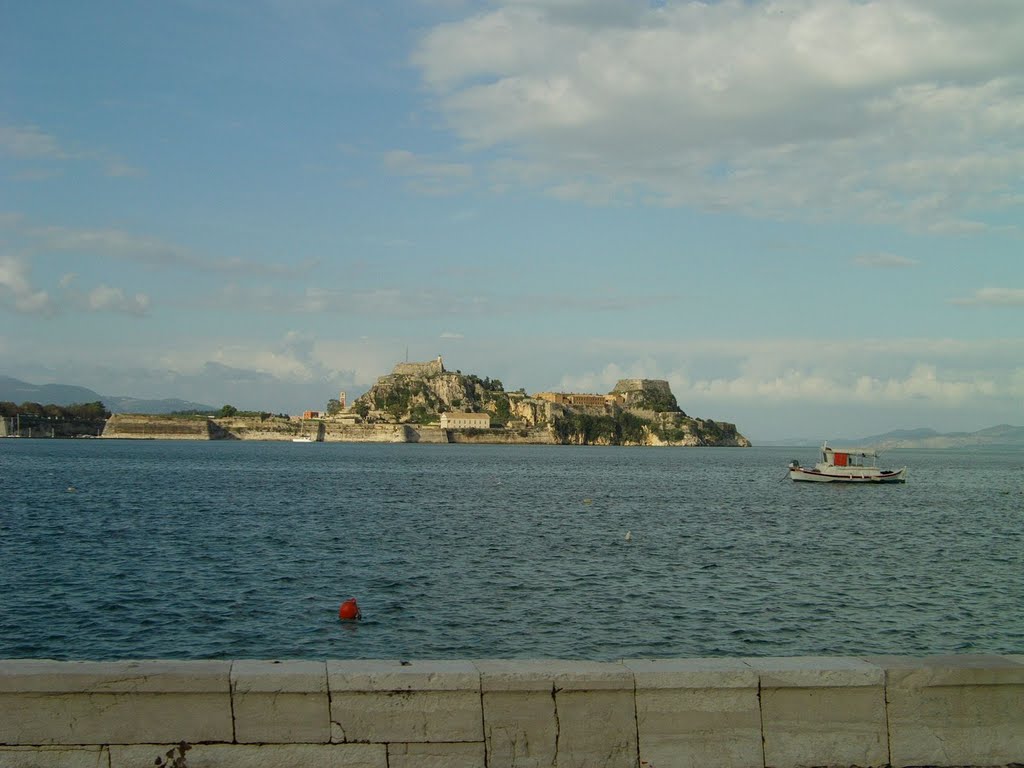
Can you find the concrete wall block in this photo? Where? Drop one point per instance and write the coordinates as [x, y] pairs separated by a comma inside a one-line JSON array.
[[77, 702], [114, 718], [406, 716], [396, 701], [416, 755], [520, 729], [955, 710], [824, 726], [261, 756], [394, 675], [710, 728], [596, 728], [697, 712], [45, 676], [281, 702], [54, 757], [822, 711]]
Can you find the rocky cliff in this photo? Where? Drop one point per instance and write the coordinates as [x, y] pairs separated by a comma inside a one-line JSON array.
[[635, 412]]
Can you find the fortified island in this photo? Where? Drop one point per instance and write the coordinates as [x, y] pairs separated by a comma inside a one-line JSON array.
[[426, 403]]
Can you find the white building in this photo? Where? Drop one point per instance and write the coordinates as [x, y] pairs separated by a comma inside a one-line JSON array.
[[465, 421]]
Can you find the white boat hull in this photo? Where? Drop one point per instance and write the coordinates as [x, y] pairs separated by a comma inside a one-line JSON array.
[[831, 475]]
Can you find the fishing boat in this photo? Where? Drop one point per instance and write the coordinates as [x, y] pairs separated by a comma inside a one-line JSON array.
[[847, 466]]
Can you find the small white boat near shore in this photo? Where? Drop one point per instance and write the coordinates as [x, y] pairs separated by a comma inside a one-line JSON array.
[[846, 466], [302, 440]]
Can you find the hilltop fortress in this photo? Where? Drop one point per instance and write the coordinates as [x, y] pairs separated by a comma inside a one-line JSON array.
[[425, 402]]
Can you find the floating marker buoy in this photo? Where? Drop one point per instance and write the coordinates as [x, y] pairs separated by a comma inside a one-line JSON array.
[[629, 536], [349, 610]]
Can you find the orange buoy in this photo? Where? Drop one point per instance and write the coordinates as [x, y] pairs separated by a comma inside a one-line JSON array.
[[349, 610]]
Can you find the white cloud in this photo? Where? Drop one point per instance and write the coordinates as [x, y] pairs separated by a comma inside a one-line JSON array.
[[909, 111], [28, 141], [16, 287], [941, 373], [426, 176], [884, 260], [103, 298], [994, 297], [112, 243]]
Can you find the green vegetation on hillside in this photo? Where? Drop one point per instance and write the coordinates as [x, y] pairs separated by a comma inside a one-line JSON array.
[[95, 411], [618, 429]]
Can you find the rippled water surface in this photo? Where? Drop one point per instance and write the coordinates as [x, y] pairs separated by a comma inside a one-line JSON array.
[[120, 549]]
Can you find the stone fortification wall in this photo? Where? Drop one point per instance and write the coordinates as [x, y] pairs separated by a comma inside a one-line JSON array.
[[150, 427], [433, 368], [531, 436], [339, 432], [713, 713]]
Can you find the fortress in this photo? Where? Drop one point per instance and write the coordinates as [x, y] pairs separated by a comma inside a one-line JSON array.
[[424, 370]]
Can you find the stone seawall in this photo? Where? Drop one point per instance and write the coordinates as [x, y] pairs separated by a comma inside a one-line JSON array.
[[670, 713], [536, 436]]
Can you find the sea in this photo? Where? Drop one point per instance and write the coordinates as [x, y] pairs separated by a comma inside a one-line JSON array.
[[115, 549]]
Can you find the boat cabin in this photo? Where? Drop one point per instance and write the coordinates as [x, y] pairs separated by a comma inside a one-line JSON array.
[[849, 458]]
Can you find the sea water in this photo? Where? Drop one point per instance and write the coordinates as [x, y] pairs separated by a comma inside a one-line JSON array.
[[161, 549]]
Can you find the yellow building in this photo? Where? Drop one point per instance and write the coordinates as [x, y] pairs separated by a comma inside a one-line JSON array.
[[457, 420], [576, 398]]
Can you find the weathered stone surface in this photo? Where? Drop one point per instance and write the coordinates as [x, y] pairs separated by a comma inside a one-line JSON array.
[[281, 702], [53, 757], [697, 712], [393, 675], [596, 728], [954, 710], [258, 756], [46, 676], [392, 701], [465, 755], [822, 711], [57, 702], [520, 723], [520, 728]]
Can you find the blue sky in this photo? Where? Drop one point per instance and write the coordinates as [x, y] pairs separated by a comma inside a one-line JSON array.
[[805, 214]]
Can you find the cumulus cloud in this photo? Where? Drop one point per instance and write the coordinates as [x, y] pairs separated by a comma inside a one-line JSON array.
[[908, 112], [390, 301], [32, 143], [16, 288], [427, 176], [103, 298], [994, 297], [29, 141], [122, 245], [884, 261], [940, 373]]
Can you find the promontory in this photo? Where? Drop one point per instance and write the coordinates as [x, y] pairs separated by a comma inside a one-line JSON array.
[[425, 402]]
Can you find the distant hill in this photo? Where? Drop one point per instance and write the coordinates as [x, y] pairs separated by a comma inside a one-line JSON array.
[[1000, 436], [17, 391]]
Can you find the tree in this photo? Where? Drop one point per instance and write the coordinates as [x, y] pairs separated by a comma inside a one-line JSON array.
[[226, 410], [333, 407]]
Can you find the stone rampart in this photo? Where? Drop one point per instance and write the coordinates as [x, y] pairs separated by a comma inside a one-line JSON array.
[[155, 427], [667, 713]]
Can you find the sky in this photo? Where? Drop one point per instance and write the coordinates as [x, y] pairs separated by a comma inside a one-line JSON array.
[[806, 215]]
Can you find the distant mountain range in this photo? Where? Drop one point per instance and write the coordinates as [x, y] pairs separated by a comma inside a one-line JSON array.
[[17, 391], [1001, 436]]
